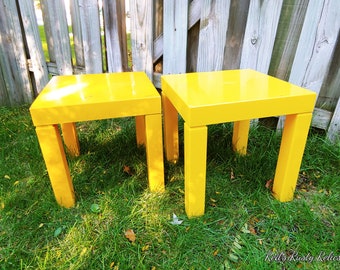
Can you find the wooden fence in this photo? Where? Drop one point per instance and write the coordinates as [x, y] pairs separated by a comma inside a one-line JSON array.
[[295, 40]]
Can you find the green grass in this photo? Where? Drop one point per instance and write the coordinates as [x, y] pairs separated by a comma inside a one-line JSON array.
[[243, 224]]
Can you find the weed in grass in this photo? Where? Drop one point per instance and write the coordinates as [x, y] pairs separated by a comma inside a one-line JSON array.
[[244, 227]]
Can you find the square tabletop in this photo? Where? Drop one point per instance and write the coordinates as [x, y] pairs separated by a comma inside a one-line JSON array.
[[73, 98], [204, 98]]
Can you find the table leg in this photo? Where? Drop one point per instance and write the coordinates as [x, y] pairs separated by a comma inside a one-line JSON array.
[[71, 138], [170, 117], [240, 136], [140, 130], [195, 156], [293, 143], [54, 155], [154, 151]]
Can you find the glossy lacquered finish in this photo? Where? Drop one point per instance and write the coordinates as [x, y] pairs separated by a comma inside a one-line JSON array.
[[75, 98], [233, 96], [87, 97]]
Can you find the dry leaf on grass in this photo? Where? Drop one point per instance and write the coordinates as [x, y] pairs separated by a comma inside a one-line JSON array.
[[127, 170], [175, 220], [269, 184], [130, 235]]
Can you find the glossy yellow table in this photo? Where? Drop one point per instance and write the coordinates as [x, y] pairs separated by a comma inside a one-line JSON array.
[[69, 99], [233, 96]]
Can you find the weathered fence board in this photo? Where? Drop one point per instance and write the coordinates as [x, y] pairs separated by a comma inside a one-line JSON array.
[[330, 93], [115, 35], [175, 36], [13, 61], [316, 45], [315, 49], [288, 32], [295, 40], [142, 35], [212, 36], [77, 33], [56, 28], [334, 127], [36, 53], [235, 34], [259, 37], [91, 33]]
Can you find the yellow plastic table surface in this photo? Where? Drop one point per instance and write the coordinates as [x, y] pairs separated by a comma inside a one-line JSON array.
[[237, 96], [75, 98], [87, 97]]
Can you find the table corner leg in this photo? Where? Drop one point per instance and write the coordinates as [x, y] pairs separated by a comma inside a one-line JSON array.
[[170, 117], [240, 136], [140, 130], [154, 152], [292, 147], [195, 156], [54, 155], [71, 138]]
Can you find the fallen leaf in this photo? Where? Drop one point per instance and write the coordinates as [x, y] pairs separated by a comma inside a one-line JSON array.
[[213, 200], [215, 252], [83, 252], [145, 248], [269, 184], [244, 229], [252, 230], [232, 175], [175, 220], [7, 177], [130, 235], [127, 170]]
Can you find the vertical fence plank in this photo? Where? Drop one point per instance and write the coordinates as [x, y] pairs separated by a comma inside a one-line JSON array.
[[259, 37], [330, 90], [37, 58], [91, 33], [212, 36], [288, 32], [334, 127], [194, 12], [316, 45], [115, 35], [77, 34], [175, 36], [13, 62], [56, 28], [235, 34], [4, 99], [142, 36], [193, 34]]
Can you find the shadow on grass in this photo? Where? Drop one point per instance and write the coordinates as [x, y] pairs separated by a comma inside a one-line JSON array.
[[243, 224]]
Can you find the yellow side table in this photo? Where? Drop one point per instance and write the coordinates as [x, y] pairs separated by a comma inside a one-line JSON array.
[[69, 99], [237, 96]]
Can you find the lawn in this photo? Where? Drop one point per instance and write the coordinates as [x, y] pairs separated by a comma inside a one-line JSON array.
[[118, 224]]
